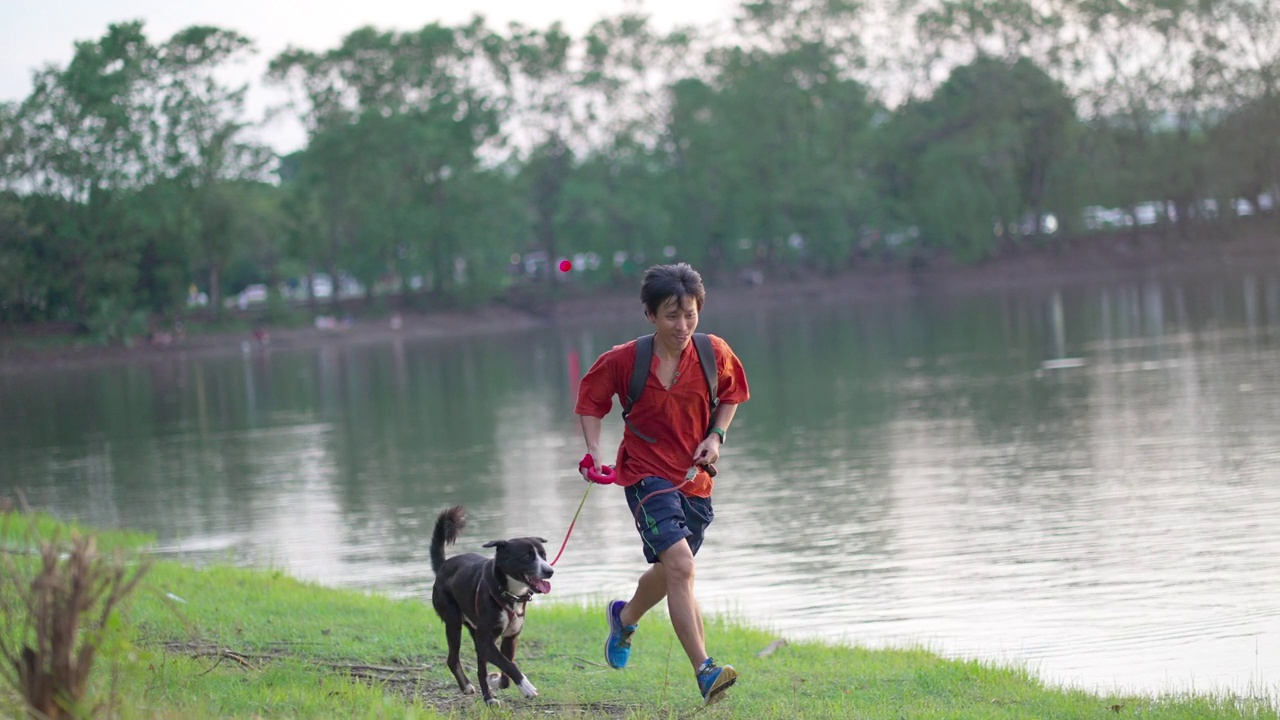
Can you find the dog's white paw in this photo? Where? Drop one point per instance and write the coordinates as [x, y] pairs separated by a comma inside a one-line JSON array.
[[493, 701], [494, 680], [471, 690], [527, 688]]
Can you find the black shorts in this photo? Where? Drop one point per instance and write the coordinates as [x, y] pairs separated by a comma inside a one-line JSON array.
[[667, 517]]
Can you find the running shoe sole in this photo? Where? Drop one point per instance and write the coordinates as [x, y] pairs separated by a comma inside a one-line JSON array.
[[728, 676]]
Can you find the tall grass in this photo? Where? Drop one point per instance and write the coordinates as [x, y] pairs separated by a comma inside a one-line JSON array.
[[57, 610]]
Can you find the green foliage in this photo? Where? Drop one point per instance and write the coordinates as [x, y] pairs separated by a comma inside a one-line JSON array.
[[23, 280], [125, 149], [392, 163], [983, 154], [777, 149], [113, 323], [433, 156], [1243, 151]]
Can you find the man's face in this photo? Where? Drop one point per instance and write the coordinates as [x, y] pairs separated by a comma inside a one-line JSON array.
[[675, 321]]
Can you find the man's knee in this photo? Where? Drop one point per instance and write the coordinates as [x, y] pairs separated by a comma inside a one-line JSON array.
[[677, 562]]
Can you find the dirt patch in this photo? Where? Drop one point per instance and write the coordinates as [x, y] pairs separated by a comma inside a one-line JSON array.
[[414, 683], [1097, 259]]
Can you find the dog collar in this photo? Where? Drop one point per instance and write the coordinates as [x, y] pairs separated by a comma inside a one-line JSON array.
[[517, 598], [512, 605], [508, 602]]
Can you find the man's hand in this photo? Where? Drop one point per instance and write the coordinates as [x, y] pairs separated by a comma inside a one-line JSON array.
[[708, 451], [592, 471], [588, 465]]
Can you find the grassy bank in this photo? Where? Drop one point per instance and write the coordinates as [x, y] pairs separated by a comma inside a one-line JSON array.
[[220, 641]]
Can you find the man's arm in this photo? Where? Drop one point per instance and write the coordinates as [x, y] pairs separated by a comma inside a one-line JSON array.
[[708, 451], [591, 433], [724, 416]]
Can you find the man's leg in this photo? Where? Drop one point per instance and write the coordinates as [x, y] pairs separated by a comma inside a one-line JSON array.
[[650, 591], [682, 605], [686, 619]]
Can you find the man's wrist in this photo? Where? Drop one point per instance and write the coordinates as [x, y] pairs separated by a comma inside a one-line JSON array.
[[717, 431]]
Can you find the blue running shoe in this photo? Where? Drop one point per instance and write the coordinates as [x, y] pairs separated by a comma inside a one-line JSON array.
[[713, 680], [617, 647]]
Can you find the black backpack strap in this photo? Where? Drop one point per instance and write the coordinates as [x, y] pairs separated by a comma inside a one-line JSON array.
[[639, 376], [707, 358]]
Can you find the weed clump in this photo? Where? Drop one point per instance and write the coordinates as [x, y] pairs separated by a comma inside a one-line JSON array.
[[58, 596]]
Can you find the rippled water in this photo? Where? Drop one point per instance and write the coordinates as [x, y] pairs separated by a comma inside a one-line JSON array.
[[1085, 482]]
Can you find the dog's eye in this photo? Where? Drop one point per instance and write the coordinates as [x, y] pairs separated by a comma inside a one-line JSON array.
[[530, 554]]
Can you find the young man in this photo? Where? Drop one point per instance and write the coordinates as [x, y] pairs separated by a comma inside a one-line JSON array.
[[669, 442]]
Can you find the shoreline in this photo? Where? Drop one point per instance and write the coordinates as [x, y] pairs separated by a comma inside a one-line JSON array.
[[1078, 262]]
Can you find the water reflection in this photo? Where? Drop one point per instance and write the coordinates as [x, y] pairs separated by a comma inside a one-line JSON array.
[[1081, 480]]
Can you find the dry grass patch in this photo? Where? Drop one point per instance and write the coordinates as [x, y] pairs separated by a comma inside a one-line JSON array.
[[58, 597]]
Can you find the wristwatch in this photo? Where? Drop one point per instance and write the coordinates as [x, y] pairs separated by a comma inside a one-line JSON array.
[[717, 431]]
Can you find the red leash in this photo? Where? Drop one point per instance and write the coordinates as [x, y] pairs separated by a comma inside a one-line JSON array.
[[606, 476], [688, 478]]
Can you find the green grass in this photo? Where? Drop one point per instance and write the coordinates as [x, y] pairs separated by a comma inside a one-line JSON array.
[[16, 531], [227, 642]]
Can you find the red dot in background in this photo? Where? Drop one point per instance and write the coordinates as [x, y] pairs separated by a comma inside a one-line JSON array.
[[565, 266]]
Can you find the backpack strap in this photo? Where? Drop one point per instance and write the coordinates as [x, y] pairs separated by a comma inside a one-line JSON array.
[[707, 358], [640, 375]]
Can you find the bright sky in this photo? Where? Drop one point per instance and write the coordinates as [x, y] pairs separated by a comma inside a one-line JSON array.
[[34, 33]]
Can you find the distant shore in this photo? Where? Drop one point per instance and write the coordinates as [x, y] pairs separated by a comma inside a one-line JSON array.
[[1099, 259]]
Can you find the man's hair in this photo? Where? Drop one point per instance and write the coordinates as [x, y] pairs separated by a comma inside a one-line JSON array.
[[663, 282]]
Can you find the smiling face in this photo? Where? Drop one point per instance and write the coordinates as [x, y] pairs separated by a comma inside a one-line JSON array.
[[669, 290], [675, 321]]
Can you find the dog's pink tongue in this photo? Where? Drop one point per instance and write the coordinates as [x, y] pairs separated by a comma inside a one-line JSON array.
[[542, 586]]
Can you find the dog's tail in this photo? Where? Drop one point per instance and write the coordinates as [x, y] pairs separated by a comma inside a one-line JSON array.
[[448, 525]]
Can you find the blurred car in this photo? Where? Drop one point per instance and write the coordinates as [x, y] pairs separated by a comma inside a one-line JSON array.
[[251, 295]]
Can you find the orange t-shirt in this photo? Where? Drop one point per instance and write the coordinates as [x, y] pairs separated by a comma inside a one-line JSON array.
[[677, 419]]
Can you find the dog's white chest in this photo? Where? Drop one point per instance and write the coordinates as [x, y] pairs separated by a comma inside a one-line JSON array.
[[511, 623]]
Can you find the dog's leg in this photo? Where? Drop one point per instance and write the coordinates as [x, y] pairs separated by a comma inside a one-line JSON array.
[[453, 635], [509, 669], [509, 652], [483, 643]]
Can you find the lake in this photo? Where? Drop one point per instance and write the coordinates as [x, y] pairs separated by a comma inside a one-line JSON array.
[[1082, 480]]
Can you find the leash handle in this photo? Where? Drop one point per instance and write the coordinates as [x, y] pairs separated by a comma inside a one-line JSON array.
[[606, 476]]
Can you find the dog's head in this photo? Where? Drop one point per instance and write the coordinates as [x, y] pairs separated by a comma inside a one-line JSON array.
[[524, 560]]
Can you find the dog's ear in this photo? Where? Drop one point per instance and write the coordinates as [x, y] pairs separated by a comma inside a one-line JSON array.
[[544, 541], [496, 543]]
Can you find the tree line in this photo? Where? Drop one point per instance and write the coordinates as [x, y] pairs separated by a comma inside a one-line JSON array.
[[445, 164]]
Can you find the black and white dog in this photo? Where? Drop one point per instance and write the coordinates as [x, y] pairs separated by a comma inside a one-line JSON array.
[[488, 595]]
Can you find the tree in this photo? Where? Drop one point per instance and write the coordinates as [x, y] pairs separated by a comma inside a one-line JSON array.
[[24, 291], [202, 146], [972, 162], [774, 154], [122, 146], [397, 121], [84, 148], [1238, 59], [1245, 151]]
